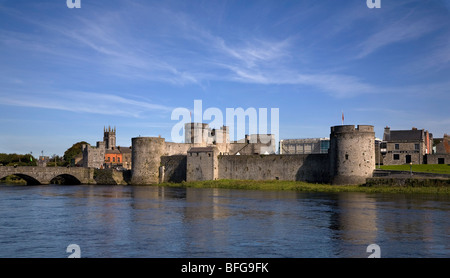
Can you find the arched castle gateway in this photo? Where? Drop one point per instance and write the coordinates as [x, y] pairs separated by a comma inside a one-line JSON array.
[[350, 159]]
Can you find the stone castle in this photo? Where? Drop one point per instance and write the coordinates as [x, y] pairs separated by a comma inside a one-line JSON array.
[[106, 154], [208, 154]]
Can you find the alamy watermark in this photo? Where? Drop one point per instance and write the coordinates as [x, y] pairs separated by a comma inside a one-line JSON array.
[[375, 251], [370, 4], [75, 251], [236, 119], [373, 4], [73, 4]]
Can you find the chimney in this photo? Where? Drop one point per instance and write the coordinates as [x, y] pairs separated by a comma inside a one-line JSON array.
[[387, 134]]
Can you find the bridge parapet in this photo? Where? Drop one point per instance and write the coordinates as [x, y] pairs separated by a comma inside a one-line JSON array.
[[44, 175]]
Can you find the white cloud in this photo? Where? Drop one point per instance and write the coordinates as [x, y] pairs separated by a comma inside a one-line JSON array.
[[402, 30], [188, 52], [83, 102]]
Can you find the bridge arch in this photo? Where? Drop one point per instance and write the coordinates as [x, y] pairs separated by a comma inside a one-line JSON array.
[[48, 175], [65, 179], [30, 180]]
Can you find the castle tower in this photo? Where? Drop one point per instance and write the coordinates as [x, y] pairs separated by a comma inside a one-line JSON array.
[[109, 137], [196, 133], [146, 159], [352, 154]]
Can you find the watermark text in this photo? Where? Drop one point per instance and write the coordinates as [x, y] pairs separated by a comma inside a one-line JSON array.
[[73, 4], [238, 121], [373, 4], [75, 251]]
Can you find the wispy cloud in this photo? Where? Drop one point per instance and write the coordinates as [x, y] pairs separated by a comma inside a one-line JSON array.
[[253, 52], [105, 38], [335, 85], [249, 59], [178, 49], [83, 102], [436, 57], [402, 30]]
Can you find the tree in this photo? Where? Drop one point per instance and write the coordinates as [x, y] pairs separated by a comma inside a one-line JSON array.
[[73, 151], [17, 159]]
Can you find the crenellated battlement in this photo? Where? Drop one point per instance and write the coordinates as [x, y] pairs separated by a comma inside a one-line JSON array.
[[351, 128]]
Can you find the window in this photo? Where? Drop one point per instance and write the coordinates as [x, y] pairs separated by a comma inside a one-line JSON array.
[[441, 160], [114, 159], [118, 159], [408, 158], [346, 156], [396, 156], [397, 146], [324, 146], [416, 147]]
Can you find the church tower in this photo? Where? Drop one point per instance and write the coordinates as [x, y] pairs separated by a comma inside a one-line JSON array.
[[109, 137]]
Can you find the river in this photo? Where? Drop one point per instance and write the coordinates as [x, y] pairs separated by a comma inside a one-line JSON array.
[[167, 222]]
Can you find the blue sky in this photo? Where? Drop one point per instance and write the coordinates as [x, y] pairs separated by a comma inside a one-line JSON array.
[[67, 73]]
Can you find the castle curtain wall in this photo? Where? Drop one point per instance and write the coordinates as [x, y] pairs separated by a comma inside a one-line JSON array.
[[298, 167]]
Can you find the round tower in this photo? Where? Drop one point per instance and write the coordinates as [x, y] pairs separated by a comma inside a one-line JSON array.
[[146, 159], [352, 154]]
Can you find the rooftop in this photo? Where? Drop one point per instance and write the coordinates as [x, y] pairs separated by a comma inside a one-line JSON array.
[[406, 135], [201, 149]]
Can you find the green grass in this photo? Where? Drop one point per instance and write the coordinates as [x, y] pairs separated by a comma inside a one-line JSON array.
[[422, 168], [13, 180], [306, 187]]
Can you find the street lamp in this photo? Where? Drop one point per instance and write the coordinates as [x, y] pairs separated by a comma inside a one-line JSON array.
[[410, 168]]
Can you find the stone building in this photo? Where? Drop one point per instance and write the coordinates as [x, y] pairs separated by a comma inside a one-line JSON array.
[[304, 146], [126, 156], [146, 160], [351, 158], [106, 154], [442, 145], [201, 135], [109, 137], [202, 164], [256, 144], [351, 154], [441, 151], [406, 146], [155, 160], [94, 157]]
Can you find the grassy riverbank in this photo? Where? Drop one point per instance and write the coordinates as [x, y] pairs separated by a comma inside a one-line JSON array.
[[420, 168], [308, 187]]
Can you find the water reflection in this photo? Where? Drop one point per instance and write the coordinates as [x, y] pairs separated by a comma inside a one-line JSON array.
[[353, 220], [128, 221]]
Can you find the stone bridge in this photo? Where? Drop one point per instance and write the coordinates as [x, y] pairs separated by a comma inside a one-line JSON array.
[[45, 175]]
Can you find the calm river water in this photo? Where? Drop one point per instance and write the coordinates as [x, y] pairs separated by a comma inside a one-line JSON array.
[[149, 222]]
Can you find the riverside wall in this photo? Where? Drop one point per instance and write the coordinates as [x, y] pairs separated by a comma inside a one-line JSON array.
[[296, 167]]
